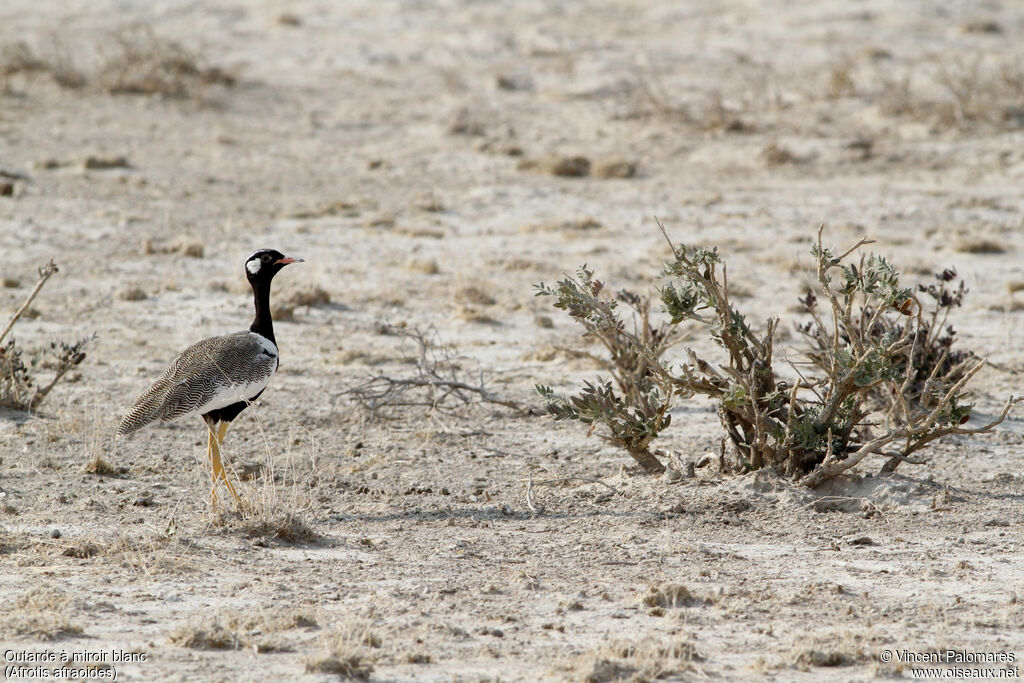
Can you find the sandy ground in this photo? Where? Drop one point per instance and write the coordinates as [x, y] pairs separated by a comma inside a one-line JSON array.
[[400, 147]]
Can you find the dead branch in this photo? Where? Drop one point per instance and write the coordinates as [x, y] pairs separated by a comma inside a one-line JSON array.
[[45, 273], [438, 373]]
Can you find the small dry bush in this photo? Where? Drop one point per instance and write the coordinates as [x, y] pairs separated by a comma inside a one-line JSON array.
[[275, 504], [261, 630], [43, 612], [133, 60], [205, 634], [670, 595], [19, 385], [148, 554], [643, 660], [144, 63], [344, 651], [440, 381], [881, 376], [958, 93]]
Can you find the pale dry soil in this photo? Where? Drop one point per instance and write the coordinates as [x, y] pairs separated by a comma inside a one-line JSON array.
[[385, 143]]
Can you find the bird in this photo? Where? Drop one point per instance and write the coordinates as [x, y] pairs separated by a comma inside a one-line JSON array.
[[218, 377]]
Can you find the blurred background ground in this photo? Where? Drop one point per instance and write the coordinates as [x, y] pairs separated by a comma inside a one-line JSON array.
[[432, 161]]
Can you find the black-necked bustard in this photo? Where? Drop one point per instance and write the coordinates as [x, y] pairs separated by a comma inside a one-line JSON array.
[[218, 377]]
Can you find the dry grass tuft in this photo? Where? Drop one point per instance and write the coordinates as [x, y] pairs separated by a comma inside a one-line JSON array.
[[344, 651], [427, 266], [776, 154], [670, 595], [99, 465], [205, 635], [143, 63], [133, 60], [284, 309], [958, 94], [644, 660], [275, 505], [42, 612], [260, 630]]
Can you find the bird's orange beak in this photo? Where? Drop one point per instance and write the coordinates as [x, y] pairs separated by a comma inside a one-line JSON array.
[[288, 259]]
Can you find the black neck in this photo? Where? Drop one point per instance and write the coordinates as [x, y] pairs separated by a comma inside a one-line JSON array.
[[262, 322]]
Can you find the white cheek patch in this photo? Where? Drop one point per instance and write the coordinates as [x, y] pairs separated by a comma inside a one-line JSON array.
[[253, 266]]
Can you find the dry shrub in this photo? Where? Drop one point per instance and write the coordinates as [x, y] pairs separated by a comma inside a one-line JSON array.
[[344, 651], [133, 60], [881, 378], [643, 660], [260, 630], [439, 379], [144, 63], [205, 634], [19, 389], [43, 612], [958, 94], [275, 505], [670, 595]]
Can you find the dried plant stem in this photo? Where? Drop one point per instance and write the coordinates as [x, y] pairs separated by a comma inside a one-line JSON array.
[[45, 273]]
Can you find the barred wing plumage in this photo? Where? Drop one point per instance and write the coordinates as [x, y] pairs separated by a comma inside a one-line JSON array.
[[211, 374]]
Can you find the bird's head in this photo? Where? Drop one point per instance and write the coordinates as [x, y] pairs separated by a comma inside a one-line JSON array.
[[265, 264]]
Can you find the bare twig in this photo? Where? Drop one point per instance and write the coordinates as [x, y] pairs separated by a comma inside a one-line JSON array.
[[437, 371], [45, 273]]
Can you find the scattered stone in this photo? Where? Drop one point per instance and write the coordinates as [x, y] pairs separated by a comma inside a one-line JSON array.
[[861, 541], [50, 164], [980, 246], [670, 595], [615, 168], [514, 82], [425, 266], [94, 163], [289, 19], [55, 533], [6, 188], [383, 220], [428, 202], [466, 122], [313, 296], [584, 224], [777, 155], [672, 475], [566, 167], [344, 207], [131, 294], [544, 321], [981, 25], [192, 249], [10, 283], [817, 658], [474, 295]]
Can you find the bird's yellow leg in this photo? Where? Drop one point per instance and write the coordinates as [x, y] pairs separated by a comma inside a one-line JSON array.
[[210, 445], [217, 466]]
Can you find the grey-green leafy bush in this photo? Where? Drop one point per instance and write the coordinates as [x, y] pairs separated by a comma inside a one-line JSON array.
[[638, 411], [881, 375]]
